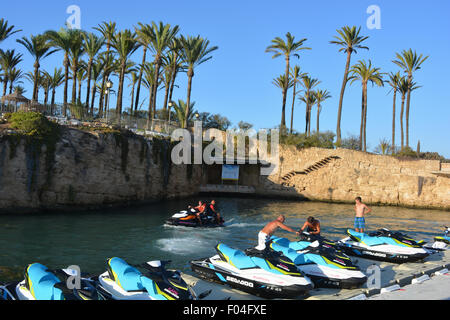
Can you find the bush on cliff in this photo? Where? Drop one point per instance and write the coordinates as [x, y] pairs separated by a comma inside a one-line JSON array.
[[319, 140], [33, 124]]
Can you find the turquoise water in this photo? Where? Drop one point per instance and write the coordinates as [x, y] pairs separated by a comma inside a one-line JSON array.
[[87, 239]]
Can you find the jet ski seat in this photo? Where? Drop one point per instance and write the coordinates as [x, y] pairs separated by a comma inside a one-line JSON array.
[[126, 276], [371, 241], [235, 257], [297, 259], [41, 283]]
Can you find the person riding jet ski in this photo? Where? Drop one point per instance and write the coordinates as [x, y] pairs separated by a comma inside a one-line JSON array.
[[43, 284], [383, 245], [326, 267], [125, 282], [263, 273], [202, 216]]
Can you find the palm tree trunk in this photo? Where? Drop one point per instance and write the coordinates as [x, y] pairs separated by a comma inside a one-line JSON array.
[[401, 122], [361, 130], [132, 98], [66, 81], [188, 101], [74, 80], [36, 75], [52, 104], [172, 85], [120, 91], [393, 121], [93, 97], [155, 89], [293, 108], [79, 91], [285, 91], [150, 109], [341, 99], [89, 75], [318, 118], [5, 86], [408, 104], [166, 98], [365, 118], [139, 83]]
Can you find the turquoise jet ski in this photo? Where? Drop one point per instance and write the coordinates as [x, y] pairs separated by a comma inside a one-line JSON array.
[[325, 267], [148, 281], [41, 283], [441, 243], [383, 245]]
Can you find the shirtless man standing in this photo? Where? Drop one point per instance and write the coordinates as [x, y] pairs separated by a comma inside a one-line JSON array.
[[270, 229], [361, 210]]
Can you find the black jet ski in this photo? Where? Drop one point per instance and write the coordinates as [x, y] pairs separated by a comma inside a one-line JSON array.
[[41, 283], [148, 281], [189, 219], [262, 273], [383, 245]]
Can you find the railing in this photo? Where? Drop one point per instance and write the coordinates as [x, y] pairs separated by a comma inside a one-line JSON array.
[[75, 115]]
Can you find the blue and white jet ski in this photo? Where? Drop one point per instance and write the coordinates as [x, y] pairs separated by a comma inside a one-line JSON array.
[[326, 267], [441, 243], [40, 283], [261, 273], [125, 282], [383, 245]]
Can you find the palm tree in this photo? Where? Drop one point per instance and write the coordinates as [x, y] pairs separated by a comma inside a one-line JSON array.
[[110, 64], [161, 37], [321, 96], [5, 30], [175, 61], [56, 80], [149, 83], [108, 30], [134, 77], [97, 69], [8, 61], [81, 76], [410, 62], [46, 85], [287, 49], [92, 45], [282, 83], [365, 73], [14, 77], [30, 76], [184, 113], [125, 44], [310, 101], [308, 83], [349, 40], [195, 51], [39, 48], [296, 75], [75, 53], [404, 87], [62, 41], [394, 80], [167, 81], [143, 35]]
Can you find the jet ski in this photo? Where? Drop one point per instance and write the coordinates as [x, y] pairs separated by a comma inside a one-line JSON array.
[[40, 283], [189, 218], [383, 245], [125, 282], [261, 273], [441, 243], [326, 267]]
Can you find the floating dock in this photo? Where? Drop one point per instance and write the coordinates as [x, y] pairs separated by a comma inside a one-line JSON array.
[[394, 277]]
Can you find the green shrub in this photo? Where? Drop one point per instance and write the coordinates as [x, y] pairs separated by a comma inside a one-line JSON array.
[[32, 124], [302, 141]]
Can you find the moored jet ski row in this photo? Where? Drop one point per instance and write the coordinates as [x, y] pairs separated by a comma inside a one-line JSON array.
[[284, 269]]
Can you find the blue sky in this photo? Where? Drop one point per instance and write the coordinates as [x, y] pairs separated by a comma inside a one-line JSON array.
[[237, 82]]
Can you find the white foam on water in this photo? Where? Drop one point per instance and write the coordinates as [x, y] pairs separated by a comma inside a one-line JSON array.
[[185, 245], [244, 225]]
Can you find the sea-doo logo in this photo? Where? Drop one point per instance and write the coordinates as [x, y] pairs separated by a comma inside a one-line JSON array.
[[282, 266], [172, 292], [241, 282], [375, 254]]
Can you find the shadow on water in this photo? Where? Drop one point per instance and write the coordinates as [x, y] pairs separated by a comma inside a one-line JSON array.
[[138, 234]]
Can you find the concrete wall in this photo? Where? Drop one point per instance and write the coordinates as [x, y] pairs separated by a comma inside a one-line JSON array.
[[377, 179]]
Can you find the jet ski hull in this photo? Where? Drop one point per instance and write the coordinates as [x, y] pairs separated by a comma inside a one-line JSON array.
[[206, 270], [193, 223]]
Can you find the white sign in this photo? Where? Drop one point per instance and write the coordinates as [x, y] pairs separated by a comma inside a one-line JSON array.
[[230, 172]]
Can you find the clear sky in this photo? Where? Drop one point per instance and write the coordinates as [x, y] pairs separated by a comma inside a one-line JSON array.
[[237, 82]]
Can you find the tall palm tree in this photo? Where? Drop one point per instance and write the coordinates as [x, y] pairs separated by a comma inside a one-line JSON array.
[[110, 64], [310, 101], [176, 63], [167, 80], [308, 83], [283, 83], [92, 45], [39, 48], [46, 85], [410, 62], [108, 30], [149, 83], [161, 36], [143, 36], [365, 73], [5, 30], [287, 48], [134, 77], [321, 96], [125, 44], [75, 53], [62, 41], [81, 76], [30, 76], [404, 87], [8, 61], [97, 69], [195, 51], [349, 40], [296, 75], [394, 81]]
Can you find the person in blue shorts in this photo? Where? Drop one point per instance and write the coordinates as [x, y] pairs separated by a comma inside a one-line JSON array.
[[361, 210]]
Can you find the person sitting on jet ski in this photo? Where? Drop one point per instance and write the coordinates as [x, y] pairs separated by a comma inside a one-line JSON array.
[[312, 226], [200, 210], [270, 229], [212, 212]]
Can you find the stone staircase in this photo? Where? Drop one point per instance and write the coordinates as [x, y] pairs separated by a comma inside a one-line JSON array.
[[315, 167]]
